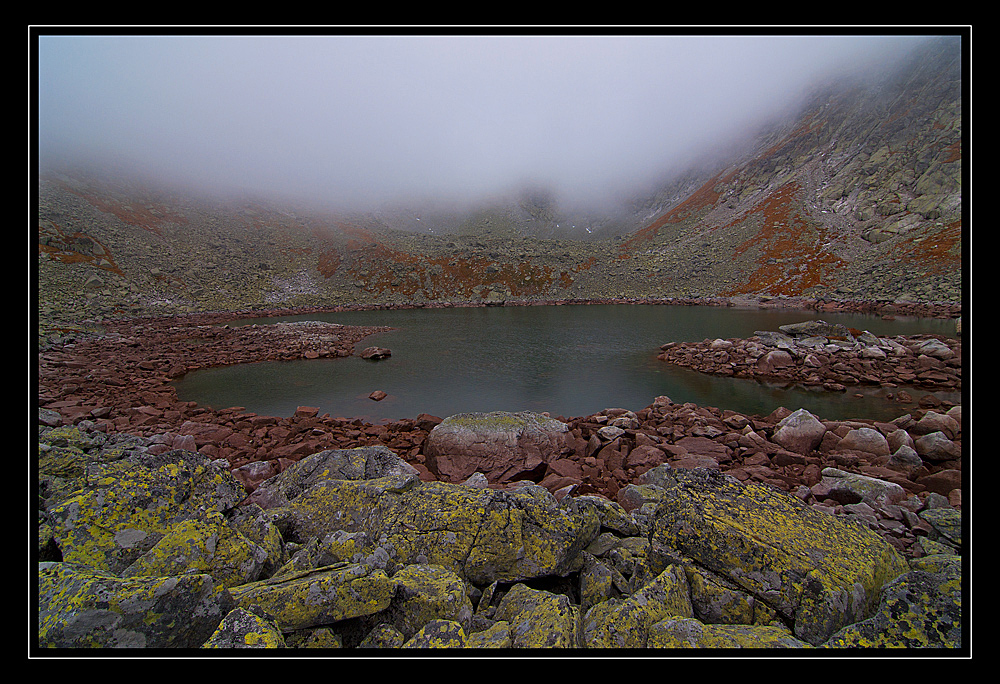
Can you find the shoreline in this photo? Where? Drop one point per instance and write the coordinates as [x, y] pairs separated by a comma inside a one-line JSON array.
[[119, 381], [940, 310]]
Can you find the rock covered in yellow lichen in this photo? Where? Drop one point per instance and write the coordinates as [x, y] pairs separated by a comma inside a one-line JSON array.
[[318, 597], [538, 619], [79, 607], [626, 623], [483, 535], [921, 609], [817, 572], [692, 633], [362, 463], [424, 593], [209, 545], [438, 634], [125, 507], [246, 628]]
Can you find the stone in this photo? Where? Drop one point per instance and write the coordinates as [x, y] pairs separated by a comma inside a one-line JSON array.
[[942, 482], [818, 573], [503, 446], [774, 361], [246, 628], [626, 624], [865, 439], [423, 593], [800, 432], [933, 421], [538, 618], [375, 353], [906, 460], [936, 447], [131, 504], [438, 634], [83, 607], [688, 633], [918, 610], [850, 488], [313, 598]]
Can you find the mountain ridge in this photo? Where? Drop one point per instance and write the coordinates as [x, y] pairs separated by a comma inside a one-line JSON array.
[[858, 196]]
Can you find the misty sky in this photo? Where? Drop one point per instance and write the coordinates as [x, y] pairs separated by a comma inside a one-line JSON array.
[[362, 118]]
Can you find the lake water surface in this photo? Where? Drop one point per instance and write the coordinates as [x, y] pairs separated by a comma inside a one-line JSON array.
[[571, 360]]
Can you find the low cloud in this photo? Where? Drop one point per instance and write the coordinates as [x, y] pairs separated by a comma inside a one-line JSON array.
[[356, 119]]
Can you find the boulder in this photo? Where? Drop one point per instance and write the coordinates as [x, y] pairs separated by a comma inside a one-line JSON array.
[[799, 431], [424, 593], [816, 328], [816, 572], [921, 609], [375, 353], [439, 634], [481, 534], [129, 505], [332, 464], [626, 623], [83, 607], [680, 632], [247, 628], [865, 439], [772, 362], [320, 596], [936, 447], [851, 488], [505, 447], [537, 618]]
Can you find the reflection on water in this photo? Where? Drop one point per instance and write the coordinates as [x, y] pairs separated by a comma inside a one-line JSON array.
[[568, 360]]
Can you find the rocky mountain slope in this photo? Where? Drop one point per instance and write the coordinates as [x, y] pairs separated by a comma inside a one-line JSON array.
[[856, 197]]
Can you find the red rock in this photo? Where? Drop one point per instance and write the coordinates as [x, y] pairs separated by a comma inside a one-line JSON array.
[[377, 395], [942, 482], [703, 446], [645, 456], [205, 433]]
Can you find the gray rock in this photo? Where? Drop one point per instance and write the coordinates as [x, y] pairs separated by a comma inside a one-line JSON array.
[[800, 432]]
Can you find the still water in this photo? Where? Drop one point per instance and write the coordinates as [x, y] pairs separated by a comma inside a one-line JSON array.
[[572, 360]]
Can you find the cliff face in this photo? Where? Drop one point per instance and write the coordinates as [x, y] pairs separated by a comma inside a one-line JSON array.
[[858, 196]]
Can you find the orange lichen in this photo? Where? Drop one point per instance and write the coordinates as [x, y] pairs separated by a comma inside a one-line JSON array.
[[704, 197], [940, 252], [379, 268], [784, 239], [149, 216], [58, 245]]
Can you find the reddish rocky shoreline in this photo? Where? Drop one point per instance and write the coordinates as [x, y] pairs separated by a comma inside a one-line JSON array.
[[120, 381]]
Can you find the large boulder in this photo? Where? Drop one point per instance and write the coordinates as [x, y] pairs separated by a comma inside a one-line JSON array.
[[362, 463], [483, 535], [626, 623], [920, 609], [317, 597], [504, 446], [849, 488], [538, 618], [681, 632], [816, 572], [82, 607], [126, 507]]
